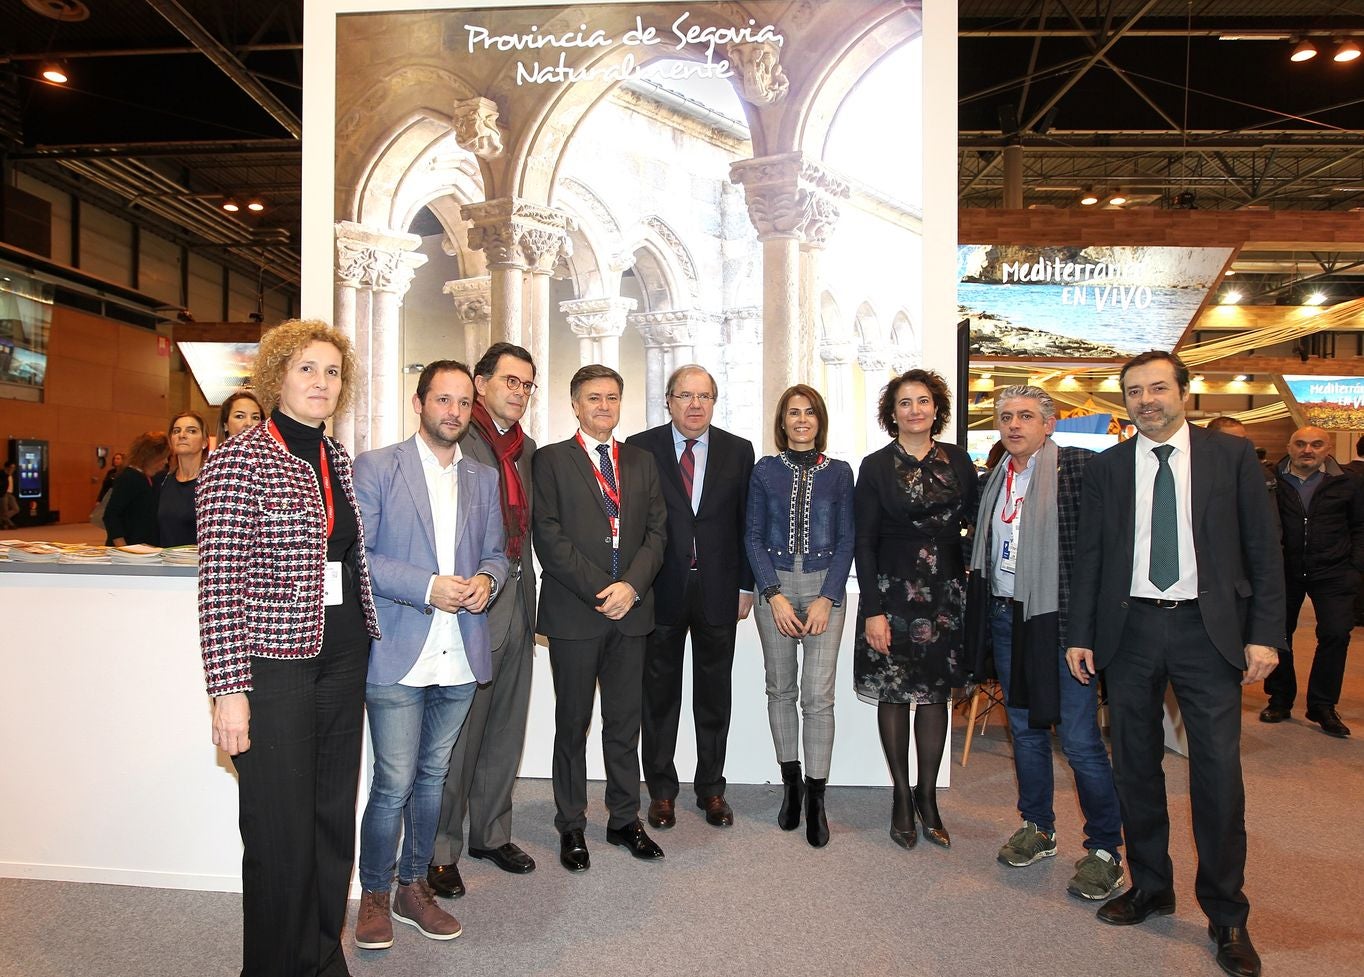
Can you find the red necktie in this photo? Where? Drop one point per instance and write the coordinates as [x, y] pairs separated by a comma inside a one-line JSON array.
[[687, 465]]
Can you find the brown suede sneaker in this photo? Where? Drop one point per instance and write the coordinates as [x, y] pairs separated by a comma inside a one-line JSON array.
[[374, 928], [415, 905]]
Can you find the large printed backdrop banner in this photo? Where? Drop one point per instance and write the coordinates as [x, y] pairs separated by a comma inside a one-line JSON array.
[[748, 186]]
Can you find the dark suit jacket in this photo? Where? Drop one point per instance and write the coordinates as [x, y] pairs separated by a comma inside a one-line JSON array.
[[573, 540], [1240, 565], [500, 613], [717, 526]]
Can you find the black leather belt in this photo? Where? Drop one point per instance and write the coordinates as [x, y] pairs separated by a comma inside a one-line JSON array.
[[1162, 602]]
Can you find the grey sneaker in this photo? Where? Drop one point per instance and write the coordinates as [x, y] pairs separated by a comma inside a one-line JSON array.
[[1097, 876], [374, 928], [1027, 845], [415, 905]]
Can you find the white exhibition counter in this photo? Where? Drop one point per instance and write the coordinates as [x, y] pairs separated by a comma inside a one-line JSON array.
[[109, 770]]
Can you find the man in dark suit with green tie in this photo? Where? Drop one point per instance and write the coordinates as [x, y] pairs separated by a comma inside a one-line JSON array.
[[1178, 579]]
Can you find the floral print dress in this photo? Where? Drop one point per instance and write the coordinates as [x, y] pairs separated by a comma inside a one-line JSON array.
[[911, 567]]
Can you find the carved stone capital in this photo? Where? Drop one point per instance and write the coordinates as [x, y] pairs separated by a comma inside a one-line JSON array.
[[790, 195], [517, 232], [902, 358], [377, 260], [475, 122], [873, 359], [762, 80], [838, 352], [678, 327], [473, 299], [743, 325], [597, 318]]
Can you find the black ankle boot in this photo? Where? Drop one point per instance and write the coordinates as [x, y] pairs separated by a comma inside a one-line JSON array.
[[816, 824], [902, 820], [793, 795]]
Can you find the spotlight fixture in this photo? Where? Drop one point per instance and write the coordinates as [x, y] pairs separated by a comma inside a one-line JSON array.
[[1198, 378], [55, 72], [1315, 298], [1348, 51], [231, 206], [1304, 51], [1089, 198], [1229, 272], [1240, 378], [1231, 296], [1118, 199], [986, 376], [255, 205]]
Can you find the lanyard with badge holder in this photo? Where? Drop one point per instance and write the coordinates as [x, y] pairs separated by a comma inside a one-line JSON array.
[[332, 581], [609, 493], [1013, 508]]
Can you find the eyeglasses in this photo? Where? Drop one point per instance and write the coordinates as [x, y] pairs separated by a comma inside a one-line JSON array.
[[703, 398], [516, 383]]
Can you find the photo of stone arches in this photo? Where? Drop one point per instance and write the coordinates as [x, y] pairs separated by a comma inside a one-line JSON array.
[[641, 185]]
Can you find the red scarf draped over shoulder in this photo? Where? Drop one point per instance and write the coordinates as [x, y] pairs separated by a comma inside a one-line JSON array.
[[507, 447]]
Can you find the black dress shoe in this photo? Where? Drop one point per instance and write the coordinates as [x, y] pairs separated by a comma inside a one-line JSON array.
[[1235, 954], [445, 881], [718, 811], [1328, 720], [573, 851], [932, 827], [662, 813], [508, 857], [1275, 714], [634, 840], [902, 814], [1136, 906]]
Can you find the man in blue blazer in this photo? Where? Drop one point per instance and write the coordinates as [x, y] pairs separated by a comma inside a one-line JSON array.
[[434, 540], [1178, 580]]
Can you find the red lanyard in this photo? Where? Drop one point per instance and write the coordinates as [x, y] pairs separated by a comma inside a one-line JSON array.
[[1007, 514], [611, 493], [326, 475]]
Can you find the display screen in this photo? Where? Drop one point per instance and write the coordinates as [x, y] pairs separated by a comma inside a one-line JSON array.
[[30, 461], [25, 320], [1334, 403], [1073, 303], [220, 369]]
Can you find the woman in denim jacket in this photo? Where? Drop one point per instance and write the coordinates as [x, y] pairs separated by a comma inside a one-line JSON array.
[[800, 543]]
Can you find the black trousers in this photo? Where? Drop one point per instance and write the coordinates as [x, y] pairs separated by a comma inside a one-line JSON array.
[[1163, 647], [1333, 601], [712, 661], [616, 662], [296, 788]]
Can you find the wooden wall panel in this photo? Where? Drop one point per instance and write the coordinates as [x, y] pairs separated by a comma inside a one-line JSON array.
[[1283, 230]]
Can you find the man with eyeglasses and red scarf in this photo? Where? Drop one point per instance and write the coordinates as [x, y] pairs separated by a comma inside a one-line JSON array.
[[485, 759]]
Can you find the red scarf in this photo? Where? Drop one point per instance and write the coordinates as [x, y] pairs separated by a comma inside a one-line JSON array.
[[507, 447]]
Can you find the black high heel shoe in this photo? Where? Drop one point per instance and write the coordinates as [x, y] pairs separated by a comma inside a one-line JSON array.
[[902, 811], [935, 833]]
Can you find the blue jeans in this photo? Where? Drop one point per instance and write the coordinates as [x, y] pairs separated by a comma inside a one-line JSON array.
[[1080, 741], [412, 731]]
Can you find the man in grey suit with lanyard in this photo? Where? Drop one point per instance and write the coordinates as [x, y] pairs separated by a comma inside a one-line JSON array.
[[600, 529], [487, 754], [1178, 580]]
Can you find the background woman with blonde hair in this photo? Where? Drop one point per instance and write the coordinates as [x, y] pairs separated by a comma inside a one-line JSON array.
[[286, 615]]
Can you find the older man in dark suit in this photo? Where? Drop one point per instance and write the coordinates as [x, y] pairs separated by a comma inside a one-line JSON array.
[[1178, 580], [600, 531], [705, 587]]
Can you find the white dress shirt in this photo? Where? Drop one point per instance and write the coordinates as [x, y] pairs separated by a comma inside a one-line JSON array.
[[442, 660], [1186, 587], [1002, 580], [700, 451], [595, 456]]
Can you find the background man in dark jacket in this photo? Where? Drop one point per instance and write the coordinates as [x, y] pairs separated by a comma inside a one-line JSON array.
[[1321, 510]]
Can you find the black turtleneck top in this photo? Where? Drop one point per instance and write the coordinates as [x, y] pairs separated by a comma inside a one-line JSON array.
[[305, 442]]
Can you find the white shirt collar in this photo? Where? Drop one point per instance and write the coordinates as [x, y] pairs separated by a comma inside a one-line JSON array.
[[428, 456], [592, 442], [1179, 440], [680, 438]]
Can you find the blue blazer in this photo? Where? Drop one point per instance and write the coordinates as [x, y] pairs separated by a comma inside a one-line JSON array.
[[400, 545]]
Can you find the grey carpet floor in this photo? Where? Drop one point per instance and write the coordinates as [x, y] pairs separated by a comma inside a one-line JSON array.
[[753, 900]]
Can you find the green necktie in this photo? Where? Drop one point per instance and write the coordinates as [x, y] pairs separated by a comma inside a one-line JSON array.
[[1164, 523]]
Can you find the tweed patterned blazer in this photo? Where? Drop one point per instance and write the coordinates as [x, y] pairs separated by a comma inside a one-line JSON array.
[[263, 555]]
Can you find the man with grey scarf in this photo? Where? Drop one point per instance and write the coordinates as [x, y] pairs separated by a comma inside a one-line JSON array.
[[1016, 609]]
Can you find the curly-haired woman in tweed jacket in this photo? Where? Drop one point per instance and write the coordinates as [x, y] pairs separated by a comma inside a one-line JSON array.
[[285, 620]]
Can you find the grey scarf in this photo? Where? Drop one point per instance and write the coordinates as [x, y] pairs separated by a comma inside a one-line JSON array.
[[1037, 579]]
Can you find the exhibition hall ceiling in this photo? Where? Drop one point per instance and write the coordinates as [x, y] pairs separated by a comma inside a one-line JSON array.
[[175, 106]]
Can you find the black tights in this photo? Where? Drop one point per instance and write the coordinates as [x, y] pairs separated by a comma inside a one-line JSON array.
[[930, 736]]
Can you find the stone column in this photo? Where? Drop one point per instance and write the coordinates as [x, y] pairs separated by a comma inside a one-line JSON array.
[[374, 272], [473, 310], [838, 357], [543, 245], [672, 339], [742, 405], [598, 324], [792, 201]]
